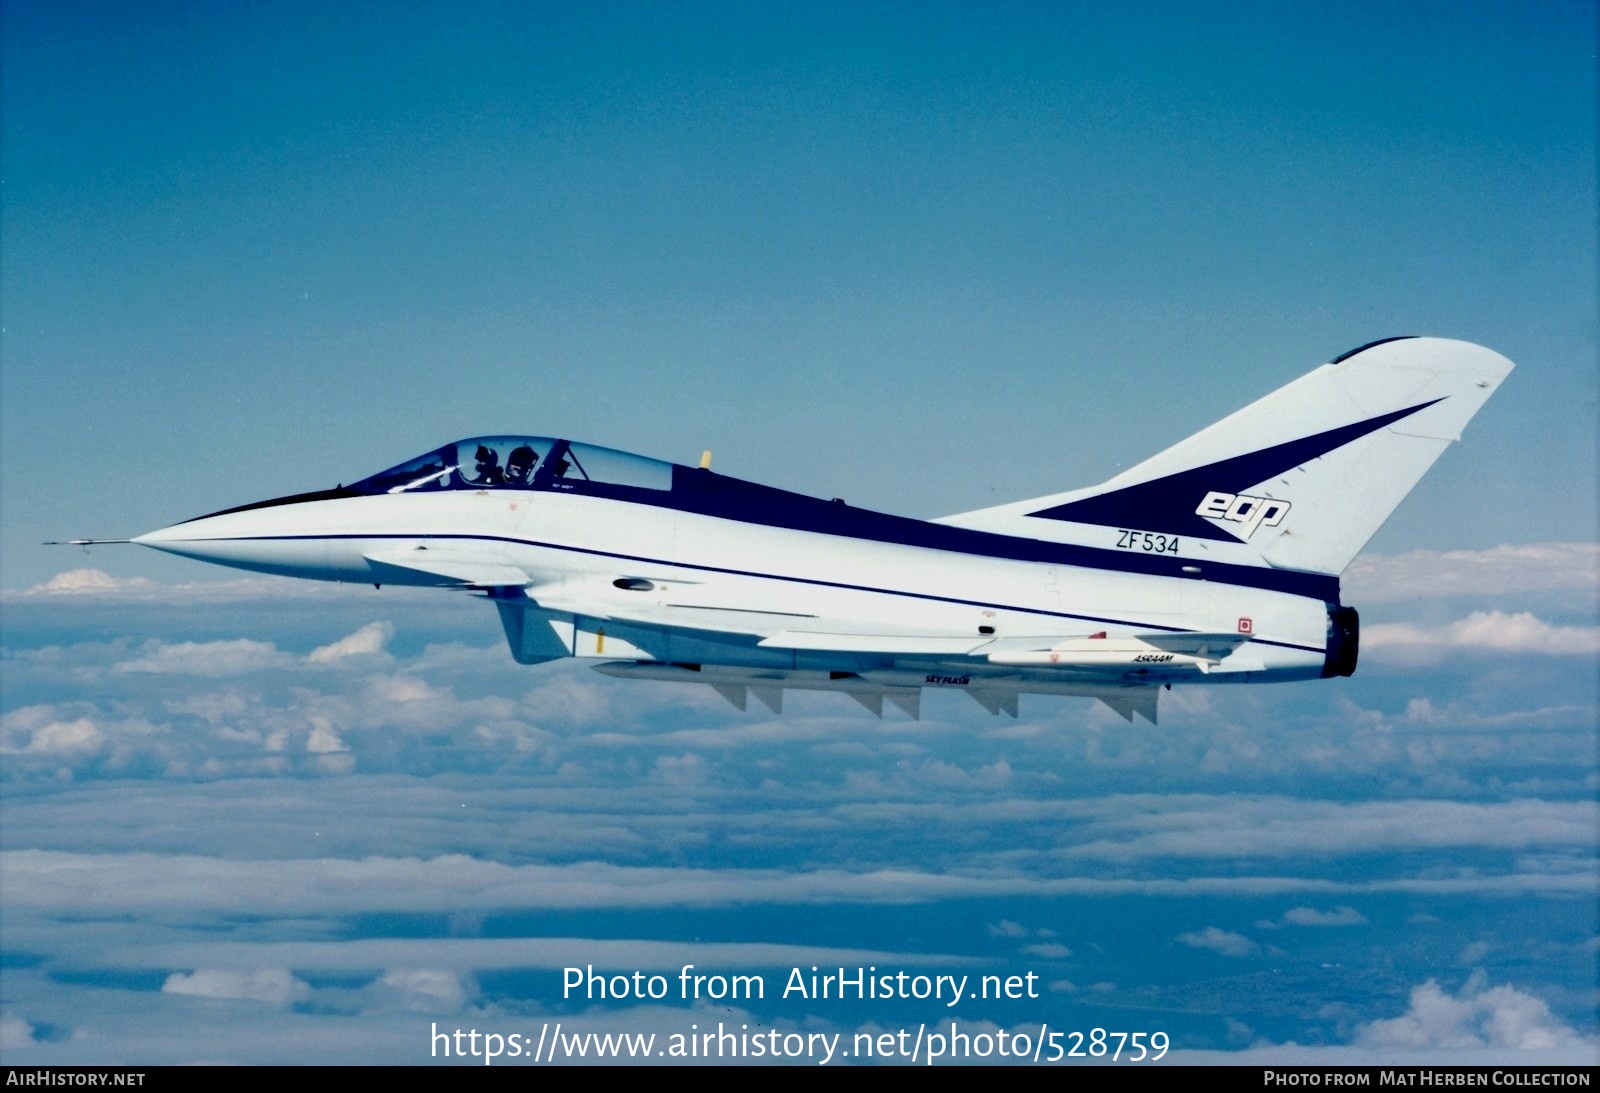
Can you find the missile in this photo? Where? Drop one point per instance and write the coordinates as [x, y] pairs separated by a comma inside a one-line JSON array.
[[1103, 653]]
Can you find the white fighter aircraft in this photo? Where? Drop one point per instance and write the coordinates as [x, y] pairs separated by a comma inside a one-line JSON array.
[[1216, 561]]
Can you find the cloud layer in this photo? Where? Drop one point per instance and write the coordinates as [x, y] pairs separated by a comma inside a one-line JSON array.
[[320, 824]]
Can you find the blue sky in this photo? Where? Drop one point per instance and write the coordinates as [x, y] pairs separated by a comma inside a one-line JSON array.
[[925, 258]]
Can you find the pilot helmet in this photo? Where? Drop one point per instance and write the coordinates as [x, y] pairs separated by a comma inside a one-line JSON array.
[[521, 460]]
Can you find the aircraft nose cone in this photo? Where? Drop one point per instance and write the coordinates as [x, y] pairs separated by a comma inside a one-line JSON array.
[[157, 538], [187, 539], [286, 539]]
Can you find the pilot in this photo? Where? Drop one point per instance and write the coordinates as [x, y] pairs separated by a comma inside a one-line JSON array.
[[519, 465], [489, 472]]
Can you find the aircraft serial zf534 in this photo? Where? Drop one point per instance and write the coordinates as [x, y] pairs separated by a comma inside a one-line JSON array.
[[1216, 561]]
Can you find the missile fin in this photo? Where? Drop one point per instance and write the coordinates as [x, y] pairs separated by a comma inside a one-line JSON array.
[[733, 693]]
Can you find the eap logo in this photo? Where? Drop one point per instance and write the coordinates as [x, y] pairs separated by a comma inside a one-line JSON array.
[[1241, 508]]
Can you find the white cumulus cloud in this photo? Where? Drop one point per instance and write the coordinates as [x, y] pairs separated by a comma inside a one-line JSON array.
[[1478, 1016], [1050, 950], [368, 641], [14, 1032], [84, 584], [89, 582], [65, 737], [1529, 567], [324, 737], [1006, 928], [1223, 941], [1310, 916], [274, 986], [425, 990], [213, 659], [1487, 631]]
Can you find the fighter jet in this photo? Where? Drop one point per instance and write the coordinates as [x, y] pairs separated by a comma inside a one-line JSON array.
[[1216, 561]]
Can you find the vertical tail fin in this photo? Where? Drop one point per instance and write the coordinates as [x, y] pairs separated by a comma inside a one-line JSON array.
[[1300, 479]]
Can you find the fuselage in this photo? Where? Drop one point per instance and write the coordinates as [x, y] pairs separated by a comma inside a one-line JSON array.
[[676, 565]]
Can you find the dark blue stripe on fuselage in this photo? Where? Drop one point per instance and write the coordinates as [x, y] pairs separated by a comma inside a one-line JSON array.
[[336, 494], [699, 491]]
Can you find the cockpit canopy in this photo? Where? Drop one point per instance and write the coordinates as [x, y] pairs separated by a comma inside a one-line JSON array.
[[517, 463]]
